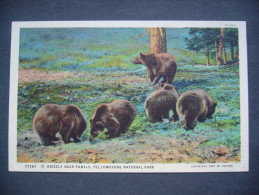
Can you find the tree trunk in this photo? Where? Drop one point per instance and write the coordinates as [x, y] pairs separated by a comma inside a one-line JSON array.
[[216, 51], [221, 44], [224, 54], [207, 55], [158, 40], [232, 51], [237, 54]]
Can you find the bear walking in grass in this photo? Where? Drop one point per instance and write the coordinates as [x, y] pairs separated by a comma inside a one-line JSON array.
[[116, 116], [160, 102], [195, 105], [52, 118], [158, 66]]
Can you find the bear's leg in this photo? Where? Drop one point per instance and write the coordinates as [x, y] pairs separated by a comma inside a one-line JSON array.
[[149, 115], [150, 74], [110, 133], [66, 130], [65, 134], [165, 115], [45, 140], [164, 79], [124, 127], [113, 126], [170, 78], [202, 117], [158, 117], [175, 115], [66, 138], [157, 78], [53, 138], [152, 119], [73, 135], [76, 139], [120, 132]]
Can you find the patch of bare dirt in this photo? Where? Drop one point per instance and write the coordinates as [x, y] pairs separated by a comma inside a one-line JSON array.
[[33, 75], [132, 79], [141, 149]]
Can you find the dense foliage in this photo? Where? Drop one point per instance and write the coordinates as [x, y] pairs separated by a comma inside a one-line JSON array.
[[208, 39]]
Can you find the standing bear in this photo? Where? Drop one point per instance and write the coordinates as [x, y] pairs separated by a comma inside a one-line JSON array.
[[116, 116], [195, 105], [160, 102], [158, 66], [52, 118]]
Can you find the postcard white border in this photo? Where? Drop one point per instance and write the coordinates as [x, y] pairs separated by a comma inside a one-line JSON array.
[[242, 166]]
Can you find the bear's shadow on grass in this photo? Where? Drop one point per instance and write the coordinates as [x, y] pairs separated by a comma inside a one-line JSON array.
[[190, 84]]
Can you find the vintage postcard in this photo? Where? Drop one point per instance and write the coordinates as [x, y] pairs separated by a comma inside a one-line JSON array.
[[128, 96]]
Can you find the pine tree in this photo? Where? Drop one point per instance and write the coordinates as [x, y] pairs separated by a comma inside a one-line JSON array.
[[231, 40], [201, 40]]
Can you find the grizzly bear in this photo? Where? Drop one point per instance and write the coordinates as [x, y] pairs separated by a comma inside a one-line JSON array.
[[160, 102], [158, 66], [195, 105], [116, 116], [52, 118]]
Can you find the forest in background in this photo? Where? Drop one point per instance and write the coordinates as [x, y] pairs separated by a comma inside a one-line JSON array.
[[95, 48], [222, 41]]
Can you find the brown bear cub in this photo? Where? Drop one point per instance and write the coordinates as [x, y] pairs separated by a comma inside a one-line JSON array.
[[195, 105], [158, 66], [52, 118], [116, 116], [160, 102]]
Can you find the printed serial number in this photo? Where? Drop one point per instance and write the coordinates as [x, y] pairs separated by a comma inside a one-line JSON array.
[[230, 25]]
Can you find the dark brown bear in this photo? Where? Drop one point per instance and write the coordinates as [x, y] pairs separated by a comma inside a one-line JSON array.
[[195, 105], [52, 118], [158, 66], [160, 102], [116, 116]]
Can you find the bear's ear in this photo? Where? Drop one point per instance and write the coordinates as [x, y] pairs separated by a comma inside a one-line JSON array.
[[215, 104], [101, 108], [72, 109], [67, 118], [142, 55], [168, 87]]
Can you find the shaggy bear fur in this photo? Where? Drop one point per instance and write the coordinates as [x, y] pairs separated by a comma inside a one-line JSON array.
[[158, 66], [195, 105], [160, 102], [52, 118], [116, 116]]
